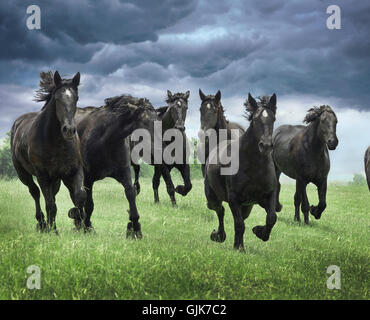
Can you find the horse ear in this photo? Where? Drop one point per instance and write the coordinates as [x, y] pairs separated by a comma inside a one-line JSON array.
[[202, 95], [57, 79], [169, 94], [272, 101], [187, 94], [252, 102], [218, 96], [76, 79]]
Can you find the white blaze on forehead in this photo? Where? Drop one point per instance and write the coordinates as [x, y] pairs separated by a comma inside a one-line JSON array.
[[265, 114], [179, 103], [208, 105], [68, 93]]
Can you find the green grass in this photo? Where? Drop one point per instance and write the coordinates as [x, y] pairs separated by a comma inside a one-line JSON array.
[[176, 258]]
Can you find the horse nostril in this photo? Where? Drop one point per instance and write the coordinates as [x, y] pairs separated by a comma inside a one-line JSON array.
[[64, 129]]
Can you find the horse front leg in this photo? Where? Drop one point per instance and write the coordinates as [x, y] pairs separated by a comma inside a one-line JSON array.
[[137, 173], [316, 211], [75, 186], [263, 232], [133, 227], [239, 226], [279, 206], [185, 173], [47, 189], [298, 199], [169, 184], [156, 181], [305, 206]]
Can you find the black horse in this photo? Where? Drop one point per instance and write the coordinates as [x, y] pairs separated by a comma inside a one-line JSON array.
[[212, 117], [255, 181], [173, 117], [105, 149], [45, 144], [367, 166], [301, 152]]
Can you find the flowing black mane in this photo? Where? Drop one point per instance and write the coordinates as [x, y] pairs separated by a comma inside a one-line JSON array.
[[176, 96], [119, 104], [315, 112], [263, 102], [161, 111]]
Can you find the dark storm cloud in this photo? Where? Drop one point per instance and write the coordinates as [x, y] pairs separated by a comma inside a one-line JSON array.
[[236, 46]]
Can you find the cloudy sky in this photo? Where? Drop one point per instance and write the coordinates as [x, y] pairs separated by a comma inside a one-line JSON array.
[[145, 47]]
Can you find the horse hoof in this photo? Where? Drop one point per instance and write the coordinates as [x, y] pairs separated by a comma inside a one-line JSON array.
[[41, 227], [239, 248], [132, 234], [90, 230], [218, 236], [74, 213], [298, 219], [278, 208], [260, 232], [314, 212], [181, 190]]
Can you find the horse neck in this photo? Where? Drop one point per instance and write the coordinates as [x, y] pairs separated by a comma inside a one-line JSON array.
[[221, 120], [311, 136], [118, 128], [49, 123], [249, 146], [167, 121]]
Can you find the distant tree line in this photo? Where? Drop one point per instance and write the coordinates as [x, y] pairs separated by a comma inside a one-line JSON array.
[[7, 170]]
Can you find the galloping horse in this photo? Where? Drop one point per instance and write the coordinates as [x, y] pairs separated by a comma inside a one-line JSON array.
[[367, 166], [212, 117], [173, 117], [105, 149], [45, 144], [301, 152], [255, 181]]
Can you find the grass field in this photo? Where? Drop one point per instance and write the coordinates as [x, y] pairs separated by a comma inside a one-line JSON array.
[[176, 258]]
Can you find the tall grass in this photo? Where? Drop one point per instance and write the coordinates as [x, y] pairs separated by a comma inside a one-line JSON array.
[[176, 258]]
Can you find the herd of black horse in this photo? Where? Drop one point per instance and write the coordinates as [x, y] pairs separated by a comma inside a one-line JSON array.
[[79, 146]]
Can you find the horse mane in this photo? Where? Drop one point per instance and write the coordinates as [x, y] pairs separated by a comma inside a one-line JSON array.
[[263, 102], [176, 96], [161, 111], [120, 103], [316, 112], [46, 87]]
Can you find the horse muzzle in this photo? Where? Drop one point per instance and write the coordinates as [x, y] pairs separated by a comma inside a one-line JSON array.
[[68, 131], [332, 144], [265, 147]]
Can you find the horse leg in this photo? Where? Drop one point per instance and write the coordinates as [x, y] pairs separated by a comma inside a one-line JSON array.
[[133, 227], [263, 232], [185, 173], [169, 184], [297, 200], [305, 206], [77, 193], [33, 189], [214, 204], [48, 190], [279, 206], [239, 226], [156, 181], [89, 207], [317, 211], [137, 172], [246, 210]]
